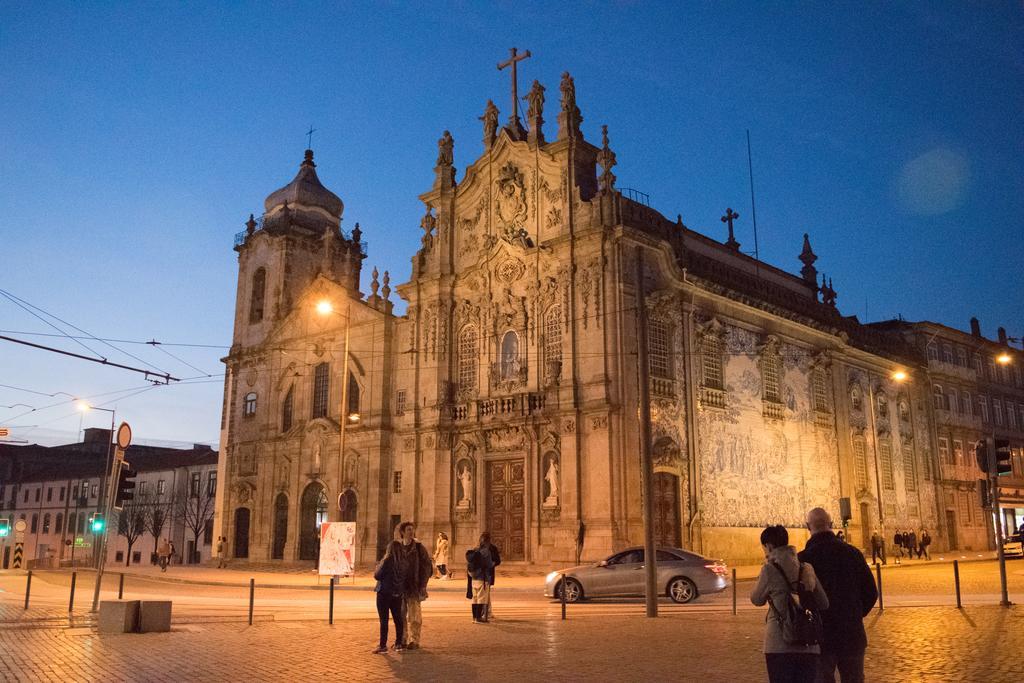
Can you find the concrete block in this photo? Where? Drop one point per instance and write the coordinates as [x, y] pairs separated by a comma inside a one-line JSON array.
[[155, 616], [118, 616]]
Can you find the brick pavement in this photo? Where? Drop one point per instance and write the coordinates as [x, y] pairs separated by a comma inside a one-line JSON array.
[[920, 644]]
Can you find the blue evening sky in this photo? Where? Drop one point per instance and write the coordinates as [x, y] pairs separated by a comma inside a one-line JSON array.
[[136, 138]]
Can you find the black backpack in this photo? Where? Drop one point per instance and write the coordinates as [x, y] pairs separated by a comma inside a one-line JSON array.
[[800, 621]]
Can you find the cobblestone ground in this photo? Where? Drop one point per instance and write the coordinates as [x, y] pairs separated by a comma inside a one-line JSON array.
[[912, 644]]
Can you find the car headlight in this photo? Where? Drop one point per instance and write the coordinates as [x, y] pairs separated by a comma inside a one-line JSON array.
[[551, 577]]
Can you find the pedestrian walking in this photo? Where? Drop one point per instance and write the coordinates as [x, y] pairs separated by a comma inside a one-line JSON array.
[[926, 540], [877, 551], [781, 575], [415, 570], [163, 553], [495, 561], [912, 543], [851, 594], [390, 598], [222, 552], [897, 541], [479, 566], [170, 558], [441, 550]]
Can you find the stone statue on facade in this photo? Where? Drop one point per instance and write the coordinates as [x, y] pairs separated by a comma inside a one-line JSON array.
[[535, 113], [490, 119], [551, 477], [466, 484], [445, 154], [569, 119]]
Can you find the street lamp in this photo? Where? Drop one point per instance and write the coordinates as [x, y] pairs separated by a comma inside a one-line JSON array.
[[325, 308], [899, 376], [101, 542], [1004, 359]]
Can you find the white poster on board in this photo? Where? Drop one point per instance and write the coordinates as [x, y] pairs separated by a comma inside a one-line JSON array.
[[337, 549]]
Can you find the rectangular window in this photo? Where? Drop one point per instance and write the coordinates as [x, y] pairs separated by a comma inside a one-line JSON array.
[[944, 450], [286, 410], [965, 507], [909, 471], [396, 482], [983, 408], [820, 391], [958, 452], [119, 556], [400, 402], [142, 488], [321, 385], [885, 455], [947, 354], [196, 484], [933, 351], [25, 497], [979, 367], [39, 493], [712, 361], [954, 401], [211, 484], [74, 492], [997, 411], [770, 377], [49, 494], [961, 356], [161, 486], [860, 463], [136, 557], [249, 404], [1011, 415], [95, 490], [658, 356], [965, 401], [63, 490]]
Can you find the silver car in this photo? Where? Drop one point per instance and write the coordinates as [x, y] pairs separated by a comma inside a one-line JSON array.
[[682, 576]]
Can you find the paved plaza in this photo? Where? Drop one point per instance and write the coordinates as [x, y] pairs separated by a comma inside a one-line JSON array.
[[908, 644]]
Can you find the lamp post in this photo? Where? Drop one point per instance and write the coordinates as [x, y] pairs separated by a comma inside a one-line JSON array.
[[325, 308], [1003, 359], [105, 487], [896, 376]]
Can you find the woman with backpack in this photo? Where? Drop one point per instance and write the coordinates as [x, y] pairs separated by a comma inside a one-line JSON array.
[[390, 598], [479, 568], [793, 628]]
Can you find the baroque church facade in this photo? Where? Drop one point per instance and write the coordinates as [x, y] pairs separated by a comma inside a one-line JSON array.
[[505, 397]]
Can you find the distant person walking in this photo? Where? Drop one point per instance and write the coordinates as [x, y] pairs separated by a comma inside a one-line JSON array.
[[851, 593], [479, 566], [926, 540], [912, 544], [442, 549], [163, 553], [897, 541], [877, 551], [415, 571], [222, 552], [781, 575], [390, 598]]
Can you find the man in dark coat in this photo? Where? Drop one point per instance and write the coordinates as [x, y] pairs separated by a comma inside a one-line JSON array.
[[912, 543], [851, 591], [414, 570], [897, 540]]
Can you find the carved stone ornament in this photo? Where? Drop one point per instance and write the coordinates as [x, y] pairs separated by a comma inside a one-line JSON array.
[[569, 426], [510, 270], [598, 422], [505, 439], [510, 202]]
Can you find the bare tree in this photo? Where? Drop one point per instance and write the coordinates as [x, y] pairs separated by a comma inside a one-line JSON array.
[[131, 523], [194, 504], [159, 515]]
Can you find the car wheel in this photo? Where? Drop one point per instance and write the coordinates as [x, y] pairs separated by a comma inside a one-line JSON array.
[[573, 590], [682, 590]]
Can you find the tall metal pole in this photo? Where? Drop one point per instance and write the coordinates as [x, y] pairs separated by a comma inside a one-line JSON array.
[[994, 482], [343, 413], [646, 466], [101, 543], [878, 479]]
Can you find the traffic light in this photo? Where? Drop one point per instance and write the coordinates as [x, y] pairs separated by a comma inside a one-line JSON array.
[[5, 527], [125, 490], [97, 523], [1002, 458], [981, 455]]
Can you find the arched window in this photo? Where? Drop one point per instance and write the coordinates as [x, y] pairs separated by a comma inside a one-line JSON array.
[[353, 396], [321, 387], [249, 404], [35, 522], [46, 523], [855, 396], [711, 357], [553, 342], [938, 397], [510, 355], [467, 359], [58, 525], [258, 295], [659, 358], [286, 409], [72, 520]]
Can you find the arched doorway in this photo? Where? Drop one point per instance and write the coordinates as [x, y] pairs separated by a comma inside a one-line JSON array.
[[666, 510], [280, 526], [348, 505], [312, 514], [241, 544]]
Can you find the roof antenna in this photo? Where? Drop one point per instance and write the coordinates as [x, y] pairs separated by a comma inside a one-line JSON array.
[[753, 207]]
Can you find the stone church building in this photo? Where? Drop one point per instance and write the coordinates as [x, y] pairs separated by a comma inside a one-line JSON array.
[[505, 397]]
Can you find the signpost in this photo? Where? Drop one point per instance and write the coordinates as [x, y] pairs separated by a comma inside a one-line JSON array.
[[124, 439]]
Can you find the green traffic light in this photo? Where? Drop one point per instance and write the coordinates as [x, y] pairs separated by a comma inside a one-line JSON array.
[[97, 526]]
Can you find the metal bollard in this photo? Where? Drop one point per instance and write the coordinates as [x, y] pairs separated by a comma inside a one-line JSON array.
[[120, 587], [881, 601], [71, 600], [562, 593], [252, 594], [734, 590], [28, 587], [956, 581], [330, 609]]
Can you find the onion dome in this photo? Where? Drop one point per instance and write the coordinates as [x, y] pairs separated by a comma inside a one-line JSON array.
[[306, 192]]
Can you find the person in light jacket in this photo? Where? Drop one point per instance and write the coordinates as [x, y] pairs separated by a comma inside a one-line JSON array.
[[441, 550], [785, 662]]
